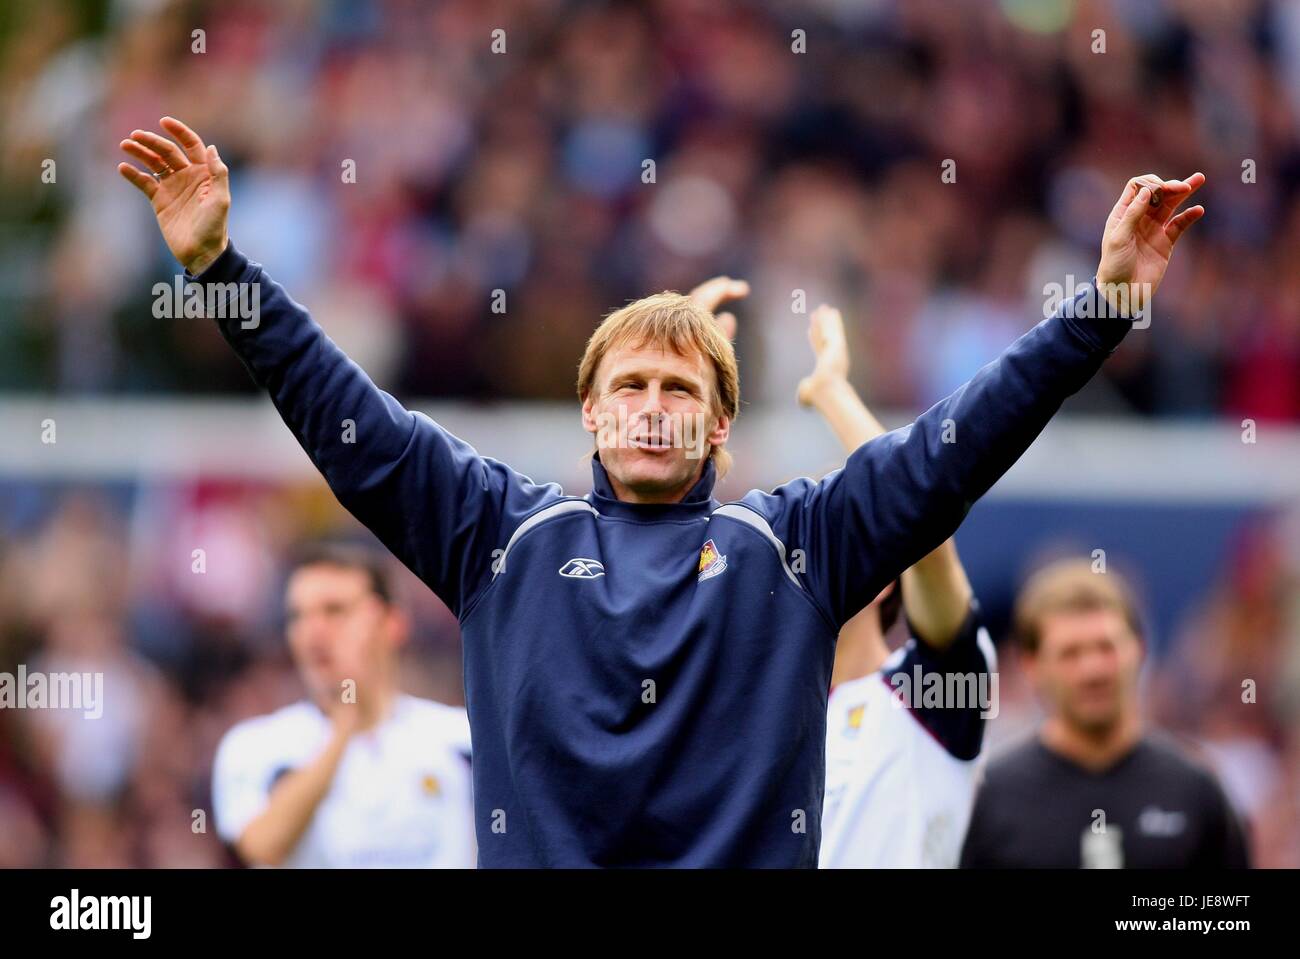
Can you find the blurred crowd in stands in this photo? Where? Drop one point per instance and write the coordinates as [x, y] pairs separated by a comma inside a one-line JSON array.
[[524, 171]]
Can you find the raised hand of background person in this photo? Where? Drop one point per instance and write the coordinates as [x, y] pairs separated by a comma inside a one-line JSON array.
[[830, 351], [712, 293]]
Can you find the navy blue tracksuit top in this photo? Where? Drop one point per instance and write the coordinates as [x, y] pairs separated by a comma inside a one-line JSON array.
[[647, 684]]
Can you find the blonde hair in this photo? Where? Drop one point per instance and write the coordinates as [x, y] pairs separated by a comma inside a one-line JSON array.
[[670, 321], [1070, 586]]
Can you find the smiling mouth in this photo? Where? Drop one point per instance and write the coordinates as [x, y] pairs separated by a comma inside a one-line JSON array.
[[653, 443]]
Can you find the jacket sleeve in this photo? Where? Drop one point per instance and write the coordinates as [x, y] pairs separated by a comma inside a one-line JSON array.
[[900, 495], [965, 673], [429, 497]]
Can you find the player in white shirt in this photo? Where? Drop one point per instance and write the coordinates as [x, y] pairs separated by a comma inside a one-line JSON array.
[[359, 774], [902, 753], [900, 781], [902, 758]]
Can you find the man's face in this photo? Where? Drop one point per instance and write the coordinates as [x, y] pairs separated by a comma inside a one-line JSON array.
[[1086, 667], [651, 411], [338, 629]]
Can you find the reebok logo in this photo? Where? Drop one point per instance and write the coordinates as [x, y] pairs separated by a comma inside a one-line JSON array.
[[580, 568]]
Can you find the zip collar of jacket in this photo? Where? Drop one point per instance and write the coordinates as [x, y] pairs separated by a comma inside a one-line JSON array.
[[698, 502]]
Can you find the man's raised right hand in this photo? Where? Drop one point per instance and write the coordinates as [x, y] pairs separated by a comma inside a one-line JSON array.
[[191, 199]]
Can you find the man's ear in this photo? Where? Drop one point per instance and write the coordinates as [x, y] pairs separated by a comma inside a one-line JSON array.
[[399, 627], [589, 422], [721, 431]]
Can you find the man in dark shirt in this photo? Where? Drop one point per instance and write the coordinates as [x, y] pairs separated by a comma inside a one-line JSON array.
[[1092, 789]]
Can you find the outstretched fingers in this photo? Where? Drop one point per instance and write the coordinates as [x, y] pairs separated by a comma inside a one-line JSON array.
[[1175, 194], [146, 156], [1179, 224], [169, 152], [1185, 189], [1194, 183], [139, 179], [187, 138], [1163, 197]]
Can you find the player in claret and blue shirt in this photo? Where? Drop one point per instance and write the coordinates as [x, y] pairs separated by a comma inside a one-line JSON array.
[[631, 705]]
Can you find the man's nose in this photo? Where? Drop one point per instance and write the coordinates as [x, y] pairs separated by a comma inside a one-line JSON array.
[[1097, 666], [315, 630], [653, 401]]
